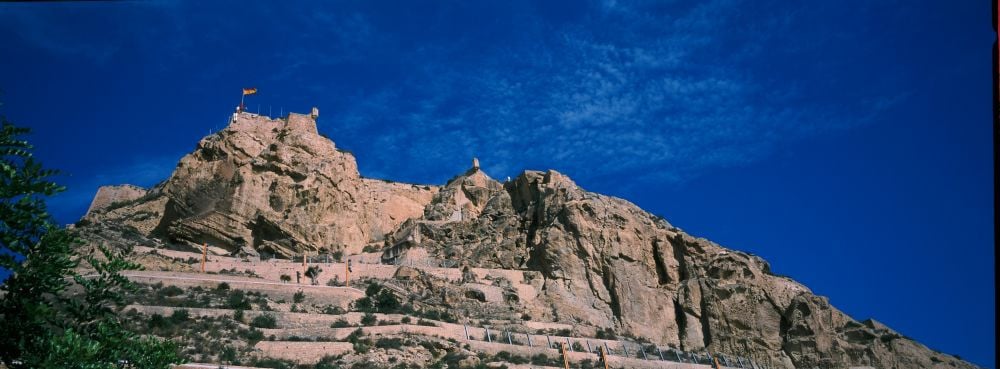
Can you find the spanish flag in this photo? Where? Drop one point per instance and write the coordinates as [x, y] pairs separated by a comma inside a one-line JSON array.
[[249, 91]]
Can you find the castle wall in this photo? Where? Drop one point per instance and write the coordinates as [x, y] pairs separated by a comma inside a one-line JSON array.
[[107, 195], [301, 122]]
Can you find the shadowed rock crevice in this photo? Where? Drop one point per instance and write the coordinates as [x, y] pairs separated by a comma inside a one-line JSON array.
[[706, 325], [170, 215], [661, 267], [610, 286], [266, 234], [678, 245], [682, 328]]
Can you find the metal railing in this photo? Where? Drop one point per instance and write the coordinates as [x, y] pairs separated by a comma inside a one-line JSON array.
[[328, 258], [628, 349], [427, 262]]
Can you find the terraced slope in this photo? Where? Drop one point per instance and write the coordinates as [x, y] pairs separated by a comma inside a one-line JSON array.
[[309, 337]]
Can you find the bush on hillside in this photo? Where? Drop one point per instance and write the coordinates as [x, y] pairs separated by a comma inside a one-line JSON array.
[[264, 321]]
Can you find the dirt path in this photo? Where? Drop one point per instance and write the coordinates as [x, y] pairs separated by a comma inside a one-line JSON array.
[[321, 295]]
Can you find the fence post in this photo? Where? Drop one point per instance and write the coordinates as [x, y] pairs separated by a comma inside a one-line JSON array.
[[589, 350], [624, 349], [549, 339], [643, 349], [604, 355], [509, 340], [488, 338], [606, 347], [658, 352], [529, 338], [678, 354], [565, 356], [570, 345], [466, 332]]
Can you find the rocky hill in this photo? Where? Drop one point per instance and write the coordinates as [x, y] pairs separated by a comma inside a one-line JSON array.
[[268, 185], [601, 264]]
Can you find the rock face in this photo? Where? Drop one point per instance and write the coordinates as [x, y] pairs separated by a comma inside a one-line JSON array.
[[277, 186], [608, 264]]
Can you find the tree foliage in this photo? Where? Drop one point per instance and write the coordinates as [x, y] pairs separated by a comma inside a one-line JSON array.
[[378, 299], [264, 321], [42, 325], [313, 272]]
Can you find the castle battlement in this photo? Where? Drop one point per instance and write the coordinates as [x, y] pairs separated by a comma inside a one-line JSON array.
[[301, 122], [252, 122]]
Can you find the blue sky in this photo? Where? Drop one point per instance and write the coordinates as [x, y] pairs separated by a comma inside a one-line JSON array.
[[848, 143]]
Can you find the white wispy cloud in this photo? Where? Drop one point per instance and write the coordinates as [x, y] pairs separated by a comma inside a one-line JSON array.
[[624, 90], [651, 102]]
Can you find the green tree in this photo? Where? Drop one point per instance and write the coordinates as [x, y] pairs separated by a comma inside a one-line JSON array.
[[378, 299], [312, 273], [298, 297], [237, 300], [41, 324], [264, 321], [369, 319]]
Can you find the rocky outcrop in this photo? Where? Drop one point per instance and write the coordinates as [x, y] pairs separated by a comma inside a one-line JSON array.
[[608, 264], [598, 263], [471, 218], [276, 186]]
